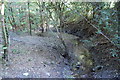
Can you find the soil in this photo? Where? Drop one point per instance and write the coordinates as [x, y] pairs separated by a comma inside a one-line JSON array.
[[40, 57], [106, 60], [35, 57]]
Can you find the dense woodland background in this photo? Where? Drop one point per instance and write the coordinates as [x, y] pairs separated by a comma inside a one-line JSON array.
[[26, 17], [95, 24]]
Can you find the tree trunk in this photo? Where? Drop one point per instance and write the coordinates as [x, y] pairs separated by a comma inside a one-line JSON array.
[[12, 19], [60, 14], [29, 18], [41, 16], [5, 35]]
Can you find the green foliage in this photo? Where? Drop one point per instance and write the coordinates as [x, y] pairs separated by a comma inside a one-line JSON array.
[[106, 21], [14, 51], [114, 52], [103, 15]]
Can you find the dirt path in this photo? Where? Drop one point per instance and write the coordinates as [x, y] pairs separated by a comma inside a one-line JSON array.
[[40, 57], [36, 57]]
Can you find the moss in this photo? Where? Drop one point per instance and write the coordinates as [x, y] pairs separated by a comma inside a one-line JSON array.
[[83, 56]]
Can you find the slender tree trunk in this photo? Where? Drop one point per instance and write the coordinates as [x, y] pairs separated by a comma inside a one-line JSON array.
[[5, 35], [29, 18], [59, 11], [94, 7], [13, 23], [10, 21], [20, 25], [41, 14], [13, 20]]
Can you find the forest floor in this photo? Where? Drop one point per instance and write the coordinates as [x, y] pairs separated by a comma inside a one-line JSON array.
[[39, 57], [35, 57]]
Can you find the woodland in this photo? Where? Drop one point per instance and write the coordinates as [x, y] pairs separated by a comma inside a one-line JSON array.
[[59, 39]]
